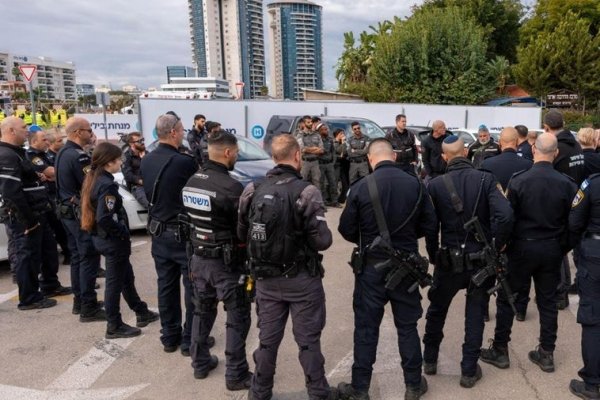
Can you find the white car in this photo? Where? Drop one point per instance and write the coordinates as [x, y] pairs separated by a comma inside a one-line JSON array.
[[470, 136], [137, 215]]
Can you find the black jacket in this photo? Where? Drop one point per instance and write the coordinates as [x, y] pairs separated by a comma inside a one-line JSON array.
[[505, 165], [570, 160], [131, 168], [404, 146], [479, 152], [433, 162], [592, 162], [108, 206], [398, 192], [198, 144], [493, 210], [585, 211], [72, 163]]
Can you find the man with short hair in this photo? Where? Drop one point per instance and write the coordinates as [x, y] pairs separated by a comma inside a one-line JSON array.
[[571, 162], [23, 204], [56, 138], [404, 144], [433, 163], [541, 199], [72, 164], [408, 214], [211, 201], [196, 138], [483, 148], [523, 145], [165, 172], [287, 269], [356, 149], [132, 161], [508, 162], [311, 147], [327, 160], [49, 283]]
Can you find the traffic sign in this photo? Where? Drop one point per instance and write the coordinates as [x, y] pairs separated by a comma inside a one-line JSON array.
[[28, 71]]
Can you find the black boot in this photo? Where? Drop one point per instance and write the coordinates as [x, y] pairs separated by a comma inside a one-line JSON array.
[[214, 361], [122, 331], [580, 389], [470, 381], [243, 384], [145, 317], [495, 355], [415, 392], [544, 359], [347, 392]]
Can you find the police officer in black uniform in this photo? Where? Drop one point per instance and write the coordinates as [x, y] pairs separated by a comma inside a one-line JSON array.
[[197, 137], [36, 153], [503, 167], [409, 214], [588, 139], [43, 159], [433, 163], [103, 216], [23, 203], [458, 196], [211, 200], [282, 219], [523, 145], [584, 227], [484, 148], [342, 166], [165, 172], [72, 163], [132, 160], [570, 161], [404, 144], [536, 250]]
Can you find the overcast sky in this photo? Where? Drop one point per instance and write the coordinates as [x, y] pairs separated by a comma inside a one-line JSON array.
[[131, 42]]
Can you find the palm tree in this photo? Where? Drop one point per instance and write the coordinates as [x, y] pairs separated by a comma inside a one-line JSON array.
[[499, 69]]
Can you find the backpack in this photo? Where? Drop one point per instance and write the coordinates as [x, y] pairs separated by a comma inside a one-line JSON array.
[[275, 234]]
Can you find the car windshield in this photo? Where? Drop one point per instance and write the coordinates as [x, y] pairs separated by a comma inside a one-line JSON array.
[[250, 151]]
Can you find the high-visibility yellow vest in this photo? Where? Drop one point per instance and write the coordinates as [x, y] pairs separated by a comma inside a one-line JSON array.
[[2, 116], [28, 118], [54, 117], [63, 117], [39, 119]]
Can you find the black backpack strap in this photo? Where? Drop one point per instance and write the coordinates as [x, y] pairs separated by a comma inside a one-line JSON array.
[[156, 182], [457, 203], [376, 202]]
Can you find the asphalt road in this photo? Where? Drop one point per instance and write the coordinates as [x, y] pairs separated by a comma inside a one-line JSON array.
[[49, 354]]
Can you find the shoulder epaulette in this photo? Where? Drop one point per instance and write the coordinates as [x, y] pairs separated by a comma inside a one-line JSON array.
[[593, 176]]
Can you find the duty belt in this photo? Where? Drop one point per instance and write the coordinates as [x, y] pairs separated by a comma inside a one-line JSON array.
[[358, 160], [208, 252], [592, 235]]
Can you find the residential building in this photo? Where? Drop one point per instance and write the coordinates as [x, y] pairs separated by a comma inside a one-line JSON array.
[[296, 53], [213, 87], [179, 71], [228, 43], [55, 79], [84, 89]]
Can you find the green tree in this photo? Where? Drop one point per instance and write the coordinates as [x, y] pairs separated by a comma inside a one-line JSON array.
[[436, 56], [499, 69], [500, 20], [568, 57]]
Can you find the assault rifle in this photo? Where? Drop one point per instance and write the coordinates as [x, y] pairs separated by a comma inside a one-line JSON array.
[[494, 263], [403, 265]]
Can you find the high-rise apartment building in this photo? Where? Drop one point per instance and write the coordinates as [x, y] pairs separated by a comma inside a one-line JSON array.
[[228, 42], [179, 71], [296, 53], [55, 79]]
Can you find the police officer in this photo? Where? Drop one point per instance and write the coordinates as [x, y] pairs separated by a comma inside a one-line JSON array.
[[196, 138], [357, 147], [523, 145], [72, 163], [537, 248], [103, 216], [404, 144], [23, 202], [483, 148], [459, 195], [584, 227], [211, 199], [503, 167], [588, 139], [165, 172], [328, 182], [36, 153], [342, 166], [284, 260], [570, 161], [409, 215], [311, 147], [56, 138], [433, 163], [132, 160]]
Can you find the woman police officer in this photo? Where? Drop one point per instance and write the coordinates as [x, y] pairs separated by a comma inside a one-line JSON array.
[[103, 215]]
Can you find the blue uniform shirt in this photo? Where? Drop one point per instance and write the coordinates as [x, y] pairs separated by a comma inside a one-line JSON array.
[[503, 166], [72, 164]]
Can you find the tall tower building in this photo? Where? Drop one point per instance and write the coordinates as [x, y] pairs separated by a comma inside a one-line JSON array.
[[296, 54], [227, 42]]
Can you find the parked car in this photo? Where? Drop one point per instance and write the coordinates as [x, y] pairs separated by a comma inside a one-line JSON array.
[[279, 124], [470, 135]]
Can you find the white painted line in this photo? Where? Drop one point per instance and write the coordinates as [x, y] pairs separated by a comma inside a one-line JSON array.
[[7, 296], [91, 366], [574, 304], [19, 393], [140, 243]]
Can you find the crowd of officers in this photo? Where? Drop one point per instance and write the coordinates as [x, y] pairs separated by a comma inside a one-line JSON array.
[[534, 198], [50, 118]]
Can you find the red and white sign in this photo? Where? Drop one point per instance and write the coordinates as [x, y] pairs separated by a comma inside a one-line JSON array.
[[28, 71]]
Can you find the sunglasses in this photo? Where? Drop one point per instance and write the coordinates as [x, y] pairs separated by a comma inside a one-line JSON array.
[[356, 129], [138, 141]]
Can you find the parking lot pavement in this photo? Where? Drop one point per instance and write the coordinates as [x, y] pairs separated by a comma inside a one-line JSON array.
[[48, 354]]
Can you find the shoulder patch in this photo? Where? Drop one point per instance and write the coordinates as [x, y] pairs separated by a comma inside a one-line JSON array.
[[584, 184], [80, 151], [37, 161], [110, 202], [578, 198]]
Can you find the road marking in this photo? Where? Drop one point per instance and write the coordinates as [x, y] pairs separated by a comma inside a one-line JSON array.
[[7, 296], [140, 243], [19, 393], [574, 304]]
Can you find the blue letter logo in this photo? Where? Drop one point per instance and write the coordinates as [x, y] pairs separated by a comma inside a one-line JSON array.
[[258, 132]]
